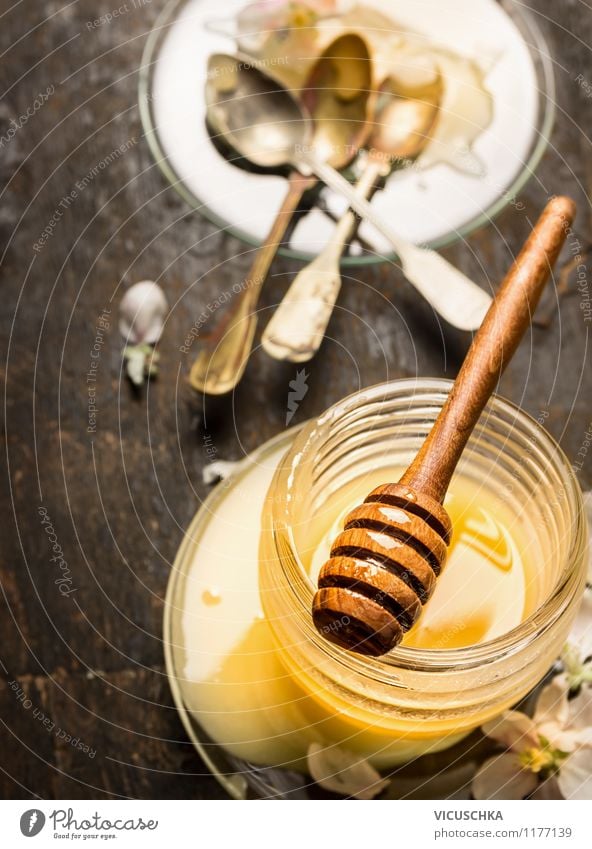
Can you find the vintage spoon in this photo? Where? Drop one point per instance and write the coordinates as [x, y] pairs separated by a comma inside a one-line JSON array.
[[270, 143], [403, 119], [339, 106], [384, 565]]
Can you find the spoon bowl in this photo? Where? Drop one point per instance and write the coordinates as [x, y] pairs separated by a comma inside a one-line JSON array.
[[255, 114], [338, 93], [404, 118], [268, 125]]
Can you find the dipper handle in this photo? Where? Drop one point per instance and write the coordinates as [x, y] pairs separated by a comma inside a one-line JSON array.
[[493, 347]]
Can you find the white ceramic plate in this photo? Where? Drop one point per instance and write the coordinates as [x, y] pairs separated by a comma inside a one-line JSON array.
[[435, 206]]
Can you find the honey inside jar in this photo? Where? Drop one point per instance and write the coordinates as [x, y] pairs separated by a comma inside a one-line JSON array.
[[242, 685]]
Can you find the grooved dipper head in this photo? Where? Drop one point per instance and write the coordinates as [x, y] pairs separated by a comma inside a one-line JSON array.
[[382, 570]]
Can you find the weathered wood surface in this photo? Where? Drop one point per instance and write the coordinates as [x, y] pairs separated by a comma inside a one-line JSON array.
[[91, 663]]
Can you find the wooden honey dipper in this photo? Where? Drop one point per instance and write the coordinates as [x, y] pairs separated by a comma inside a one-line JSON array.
[[384, 565]]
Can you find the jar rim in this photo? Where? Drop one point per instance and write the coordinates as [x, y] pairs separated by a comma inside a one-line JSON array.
[[433, 660]]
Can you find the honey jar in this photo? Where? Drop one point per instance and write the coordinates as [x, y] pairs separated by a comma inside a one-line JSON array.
[[257, 686]]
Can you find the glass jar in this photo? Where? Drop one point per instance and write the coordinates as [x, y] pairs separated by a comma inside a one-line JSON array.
[[413, 701], [417, 700]]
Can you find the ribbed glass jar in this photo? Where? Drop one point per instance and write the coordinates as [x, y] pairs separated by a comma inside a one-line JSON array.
[[417, 700]]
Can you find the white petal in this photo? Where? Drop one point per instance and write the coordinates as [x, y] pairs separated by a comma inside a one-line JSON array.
[[142, 313], [575, 776], [576, 730], [343, 772], [567, 741], [580, 636], [512, 729], [549, 789], [552, 712], [502, 777], [580, 712]]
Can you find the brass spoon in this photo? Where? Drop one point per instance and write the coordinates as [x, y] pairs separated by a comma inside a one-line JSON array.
[[251, 106], [403, 120]]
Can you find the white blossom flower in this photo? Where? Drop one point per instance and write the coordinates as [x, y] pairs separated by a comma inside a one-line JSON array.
[[577, 654], [142, 313], [344, 772], [549, 756]]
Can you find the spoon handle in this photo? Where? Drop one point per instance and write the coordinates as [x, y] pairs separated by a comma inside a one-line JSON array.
[[297, 328], [492, 348], [225, 352], [456, 298]]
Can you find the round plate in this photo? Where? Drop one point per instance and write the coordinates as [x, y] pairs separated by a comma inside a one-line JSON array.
[[435, 206]]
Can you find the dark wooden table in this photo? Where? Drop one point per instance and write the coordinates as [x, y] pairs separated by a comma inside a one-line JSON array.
[[85, 660]]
